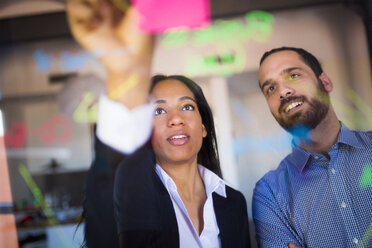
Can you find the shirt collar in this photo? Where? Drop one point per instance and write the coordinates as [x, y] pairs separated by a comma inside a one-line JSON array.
[[212, 182], [346, 136], [300, 157]]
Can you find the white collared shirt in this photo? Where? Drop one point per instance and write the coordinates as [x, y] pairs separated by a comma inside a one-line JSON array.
[[188, 236]]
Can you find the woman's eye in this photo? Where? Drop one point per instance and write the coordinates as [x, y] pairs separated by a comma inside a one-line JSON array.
[[188, 107], [159, 111]]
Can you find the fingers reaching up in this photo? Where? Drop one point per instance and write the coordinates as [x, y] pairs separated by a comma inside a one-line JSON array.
[[110, 30]]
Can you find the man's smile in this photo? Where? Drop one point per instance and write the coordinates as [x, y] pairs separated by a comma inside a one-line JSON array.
[[292, 106]]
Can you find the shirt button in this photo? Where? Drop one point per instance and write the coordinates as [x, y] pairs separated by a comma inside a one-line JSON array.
[[343, 204], [316, 157], [355, 240], [333, 171]]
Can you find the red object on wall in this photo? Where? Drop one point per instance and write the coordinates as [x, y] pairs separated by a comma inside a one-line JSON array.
[[15, 137], [57, 129], [48, 133]]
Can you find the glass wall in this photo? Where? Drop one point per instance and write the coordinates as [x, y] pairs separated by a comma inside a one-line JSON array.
[[49, 99]]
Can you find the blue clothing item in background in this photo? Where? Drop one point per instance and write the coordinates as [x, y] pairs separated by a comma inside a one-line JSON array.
[[315, 202]]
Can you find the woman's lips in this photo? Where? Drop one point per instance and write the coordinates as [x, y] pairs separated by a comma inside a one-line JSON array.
[[178, 139]]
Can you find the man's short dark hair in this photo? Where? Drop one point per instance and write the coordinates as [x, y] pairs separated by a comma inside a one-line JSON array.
[[306, 57]]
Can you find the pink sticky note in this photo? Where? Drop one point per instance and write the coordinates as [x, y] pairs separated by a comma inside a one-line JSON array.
[[161, 15]]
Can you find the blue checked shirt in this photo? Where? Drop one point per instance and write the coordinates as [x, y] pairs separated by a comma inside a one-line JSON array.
[[315, 202]]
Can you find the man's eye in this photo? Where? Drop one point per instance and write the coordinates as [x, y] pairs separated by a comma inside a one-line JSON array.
[[294, 76], [270, 89], [159, 111], [188, 107]]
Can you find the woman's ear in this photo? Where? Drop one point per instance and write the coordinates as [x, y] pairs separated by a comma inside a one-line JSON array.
[[204, 131]]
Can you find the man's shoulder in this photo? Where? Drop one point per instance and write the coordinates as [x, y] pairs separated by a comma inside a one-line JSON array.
[[364, 137], [275, 181], [281, 170], [274, 188]]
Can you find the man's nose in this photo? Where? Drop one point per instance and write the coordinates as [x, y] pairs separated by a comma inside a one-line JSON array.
[[286, 92]]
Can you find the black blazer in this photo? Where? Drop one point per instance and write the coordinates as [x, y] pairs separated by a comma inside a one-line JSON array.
[[145, 215], [100, 225]]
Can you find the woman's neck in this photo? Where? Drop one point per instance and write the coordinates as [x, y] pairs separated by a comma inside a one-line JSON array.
[[187, 178], [190, 187]]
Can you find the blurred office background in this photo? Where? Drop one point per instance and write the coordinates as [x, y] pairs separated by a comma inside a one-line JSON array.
[[49, 88]]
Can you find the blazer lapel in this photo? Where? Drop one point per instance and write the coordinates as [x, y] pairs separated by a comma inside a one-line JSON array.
[[223, 213], [168, 215]]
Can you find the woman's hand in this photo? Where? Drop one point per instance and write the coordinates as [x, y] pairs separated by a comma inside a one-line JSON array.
[[110, 30]]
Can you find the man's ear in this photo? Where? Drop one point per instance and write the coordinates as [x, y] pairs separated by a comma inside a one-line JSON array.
[[326, 81], [204, 131]]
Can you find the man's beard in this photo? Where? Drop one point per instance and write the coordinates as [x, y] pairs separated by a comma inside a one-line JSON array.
[[309, 119]]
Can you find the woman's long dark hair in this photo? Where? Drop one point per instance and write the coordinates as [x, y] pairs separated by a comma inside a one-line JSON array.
[[208, 154]]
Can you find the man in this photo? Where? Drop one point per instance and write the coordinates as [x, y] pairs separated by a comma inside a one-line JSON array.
[[314, 197]]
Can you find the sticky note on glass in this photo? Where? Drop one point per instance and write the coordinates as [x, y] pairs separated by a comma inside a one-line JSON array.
[[161, 15]]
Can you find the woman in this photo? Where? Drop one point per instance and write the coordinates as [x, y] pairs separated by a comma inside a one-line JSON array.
[[170, 193]]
